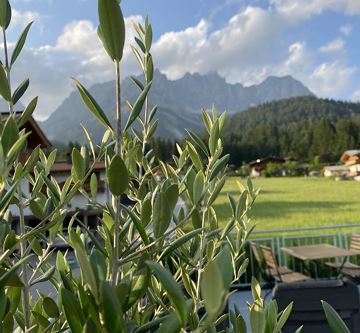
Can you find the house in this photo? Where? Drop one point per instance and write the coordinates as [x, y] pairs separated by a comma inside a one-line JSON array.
[[261, 164], [336, 170], [88, 214], [350, 157], [60, 171], [36, 138]]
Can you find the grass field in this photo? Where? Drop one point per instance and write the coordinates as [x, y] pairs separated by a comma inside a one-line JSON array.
[[298, 202]]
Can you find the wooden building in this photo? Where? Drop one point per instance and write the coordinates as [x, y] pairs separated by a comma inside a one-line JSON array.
[[350, 157], [61, 170], [261, 164]]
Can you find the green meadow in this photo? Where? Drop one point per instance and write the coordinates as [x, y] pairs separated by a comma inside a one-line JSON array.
[[298, 202]]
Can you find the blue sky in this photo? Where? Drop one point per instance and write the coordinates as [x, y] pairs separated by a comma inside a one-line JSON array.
[[315, 41]]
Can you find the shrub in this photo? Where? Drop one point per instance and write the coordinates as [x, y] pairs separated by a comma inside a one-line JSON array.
[[272, 170]]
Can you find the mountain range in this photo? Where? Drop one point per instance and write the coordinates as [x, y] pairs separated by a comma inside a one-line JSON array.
[[179, 103]]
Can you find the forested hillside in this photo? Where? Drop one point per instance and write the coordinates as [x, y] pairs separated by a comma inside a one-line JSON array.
[[299, 127]]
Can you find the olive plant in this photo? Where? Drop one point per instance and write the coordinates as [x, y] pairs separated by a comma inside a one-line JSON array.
[[26, 252], [161, 263], [154, 265]]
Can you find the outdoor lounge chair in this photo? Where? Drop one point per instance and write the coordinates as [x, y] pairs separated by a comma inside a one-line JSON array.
[[307, 309], [273, 270], [349, 268]]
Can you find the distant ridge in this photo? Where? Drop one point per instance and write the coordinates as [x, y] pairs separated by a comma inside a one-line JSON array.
[[179, 103]]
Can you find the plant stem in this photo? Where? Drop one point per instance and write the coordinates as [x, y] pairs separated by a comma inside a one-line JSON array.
[[116, 199], [26, 298], [145, 134], [118, 109], [201, 259], [145, 117], [7, 69]]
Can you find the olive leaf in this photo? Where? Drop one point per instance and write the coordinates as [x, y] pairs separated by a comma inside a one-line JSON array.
[[172, 288], [111, 30], [20, 91], [4, 85], [336, 324], [5, 13], [20, 44], [117, 176], [92, 105]]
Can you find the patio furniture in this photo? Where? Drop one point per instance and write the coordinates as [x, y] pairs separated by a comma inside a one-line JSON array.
[[348, 268], [278, 273], [320, 252], [307, 309]]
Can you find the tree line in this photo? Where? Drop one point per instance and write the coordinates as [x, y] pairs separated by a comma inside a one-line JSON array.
[[302, 141], [302, 128]]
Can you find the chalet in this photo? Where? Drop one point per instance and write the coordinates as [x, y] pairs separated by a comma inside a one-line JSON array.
[[37, 136], [336, 171], [350, 167], [60, 171], [350, 157], [86, 213], [261, 164]]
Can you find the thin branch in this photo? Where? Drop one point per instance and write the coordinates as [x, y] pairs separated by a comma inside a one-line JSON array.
[[116, 199], [7, 69], [26, 290]]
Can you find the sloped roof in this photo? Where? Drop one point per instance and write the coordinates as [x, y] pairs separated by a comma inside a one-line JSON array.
[[349, 153], [31, 125], [270, 159]]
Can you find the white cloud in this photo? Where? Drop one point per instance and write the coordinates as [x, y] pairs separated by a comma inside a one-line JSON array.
[[172, 46], [250, 47], [248, 41], [78, 36], [247, 49], [335, 45], [305, 9], [77, 53], [346, 29], [355, 96], [23, 18], [331, 79], [298, 60]]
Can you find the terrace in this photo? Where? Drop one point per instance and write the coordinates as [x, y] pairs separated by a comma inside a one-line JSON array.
[[324, 257]]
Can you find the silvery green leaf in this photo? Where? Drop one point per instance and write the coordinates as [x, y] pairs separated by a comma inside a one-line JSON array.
[[284, 317], [117, 176], [172, 288], [20, 91], [92, 105], [212, 290], [138, 105], [111, 29], [73, 311], [78, 165], [20, 44], [27, 113], [4, 85], [93, 185], [336, 324], [5, 13], [112, 308]]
